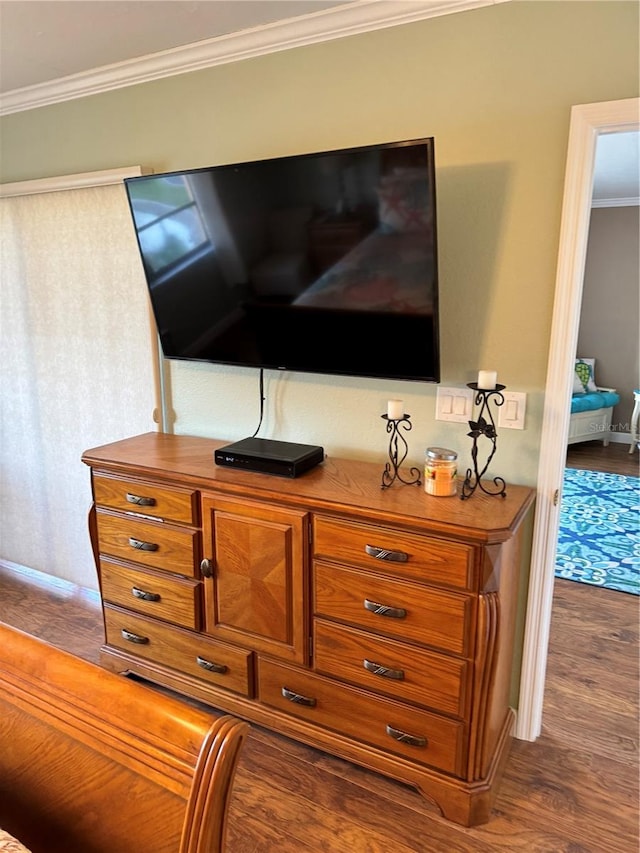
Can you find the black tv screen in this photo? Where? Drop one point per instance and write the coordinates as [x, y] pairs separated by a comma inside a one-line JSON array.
[[323, 263]]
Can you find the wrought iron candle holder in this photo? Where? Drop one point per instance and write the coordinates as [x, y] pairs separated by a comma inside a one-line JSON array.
[[398, 449], [483, 426]]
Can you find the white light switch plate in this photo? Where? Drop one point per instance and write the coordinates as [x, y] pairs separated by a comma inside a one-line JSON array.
[[511, 413], [454, 404]]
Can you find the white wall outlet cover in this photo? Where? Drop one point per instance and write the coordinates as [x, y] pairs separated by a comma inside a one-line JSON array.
[[454, 404], [511, 413]]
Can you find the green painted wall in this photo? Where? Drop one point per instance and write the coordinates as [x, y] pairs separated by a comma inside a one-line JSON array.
[[494, 86]]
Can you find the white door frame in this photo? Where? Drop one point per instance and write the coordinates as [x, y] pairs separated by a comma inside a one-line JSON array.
[[588, 121]]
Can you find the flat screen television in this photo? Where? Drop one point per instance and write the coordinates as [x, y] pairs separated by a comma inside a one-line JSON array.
[[322, 262]]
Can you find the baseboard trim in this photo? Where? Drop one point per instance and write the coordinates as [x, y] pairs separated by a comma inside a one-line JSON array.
[[53, 584], [620, 438]]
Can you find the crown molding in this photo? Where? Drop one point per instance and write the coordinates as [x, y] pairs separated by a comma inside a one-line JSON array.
[[349, 19], [82, 180], [625, 201]]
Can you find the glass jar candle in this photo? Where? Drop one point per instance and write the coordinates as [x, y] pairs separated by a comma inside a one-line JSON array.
[[440, 469]]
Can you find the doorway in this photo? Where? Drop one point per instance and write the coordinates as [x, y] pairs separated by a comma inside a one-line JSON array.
[[588, 121]]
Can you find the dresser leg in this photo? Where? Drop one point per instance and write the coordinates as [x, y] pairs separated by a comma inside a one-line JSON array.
[[471, 803]]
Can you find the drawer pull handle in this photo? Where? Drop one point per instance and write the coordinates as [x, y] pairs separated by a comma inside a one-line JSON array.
[[297, 698], [139, 545], [138, 500], [403, 737], [383, 671], [385, 554], [385, 610], [206, 568], [143, 595], [210, 666], [134, 638]]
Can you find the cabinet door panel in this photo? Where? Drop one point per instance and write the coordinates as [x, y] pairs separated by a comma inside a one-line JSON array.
[[256, 594]]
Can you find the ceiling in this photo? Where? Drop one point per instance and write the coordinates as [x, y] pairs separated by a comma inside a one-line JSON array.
[[56, 50], [52, 50], [44, 40], [617, 170]]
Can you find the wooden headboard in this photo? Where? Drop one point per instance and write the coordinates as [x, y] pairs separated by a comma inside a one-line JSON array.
[[91, 761]]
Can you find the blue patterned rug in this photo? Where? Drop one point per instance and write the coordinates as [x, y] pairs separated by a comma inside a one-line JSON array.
[[599, 542]]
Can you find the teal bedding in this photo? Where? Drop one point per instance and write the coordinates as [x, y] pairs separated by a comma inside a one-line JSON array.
[[594, 400]]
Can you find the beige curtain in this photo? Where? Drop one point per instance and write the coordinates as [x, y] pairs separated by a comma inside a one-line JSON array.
[[77, 366]]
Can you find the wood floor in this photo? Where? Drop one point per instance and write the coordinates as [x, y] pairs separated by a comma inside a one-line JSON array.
[[593, 456], [575, 790]]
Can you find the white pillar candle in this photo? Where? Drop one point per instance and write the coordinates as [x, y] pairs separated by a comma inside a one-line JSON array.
[[487, 380], [395, 410]]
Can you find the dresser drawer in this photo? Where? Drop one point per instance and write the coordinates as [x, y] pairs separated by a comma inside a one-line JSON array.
[[217, 663], [150, 543], [161, 595], [397, 608], [433, 561], [161, 502], [395, 669], [383, 723]]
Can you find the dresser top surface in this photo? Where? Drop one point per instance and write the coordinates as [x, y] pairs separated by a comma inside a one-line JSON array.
[[342, 485]]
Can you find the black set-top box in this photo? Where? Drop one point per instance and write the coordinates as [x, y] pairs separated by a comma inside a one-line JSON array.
[[282, 458]]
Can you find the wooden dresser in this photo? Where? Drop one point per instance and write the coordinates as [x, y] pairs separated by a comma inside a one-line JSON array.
[[374, 624]]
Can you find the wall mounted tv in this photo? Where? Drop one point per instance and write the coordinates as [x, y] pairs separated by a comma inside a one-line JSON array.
[[323, 262]]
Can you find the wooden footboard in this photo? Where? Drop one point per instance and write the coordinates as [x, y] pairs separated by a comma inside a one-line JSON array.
[[91, 761]]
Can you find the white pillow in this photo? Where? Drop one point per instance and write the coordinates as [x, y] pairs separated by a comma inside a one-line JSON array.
[[584, 376]]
